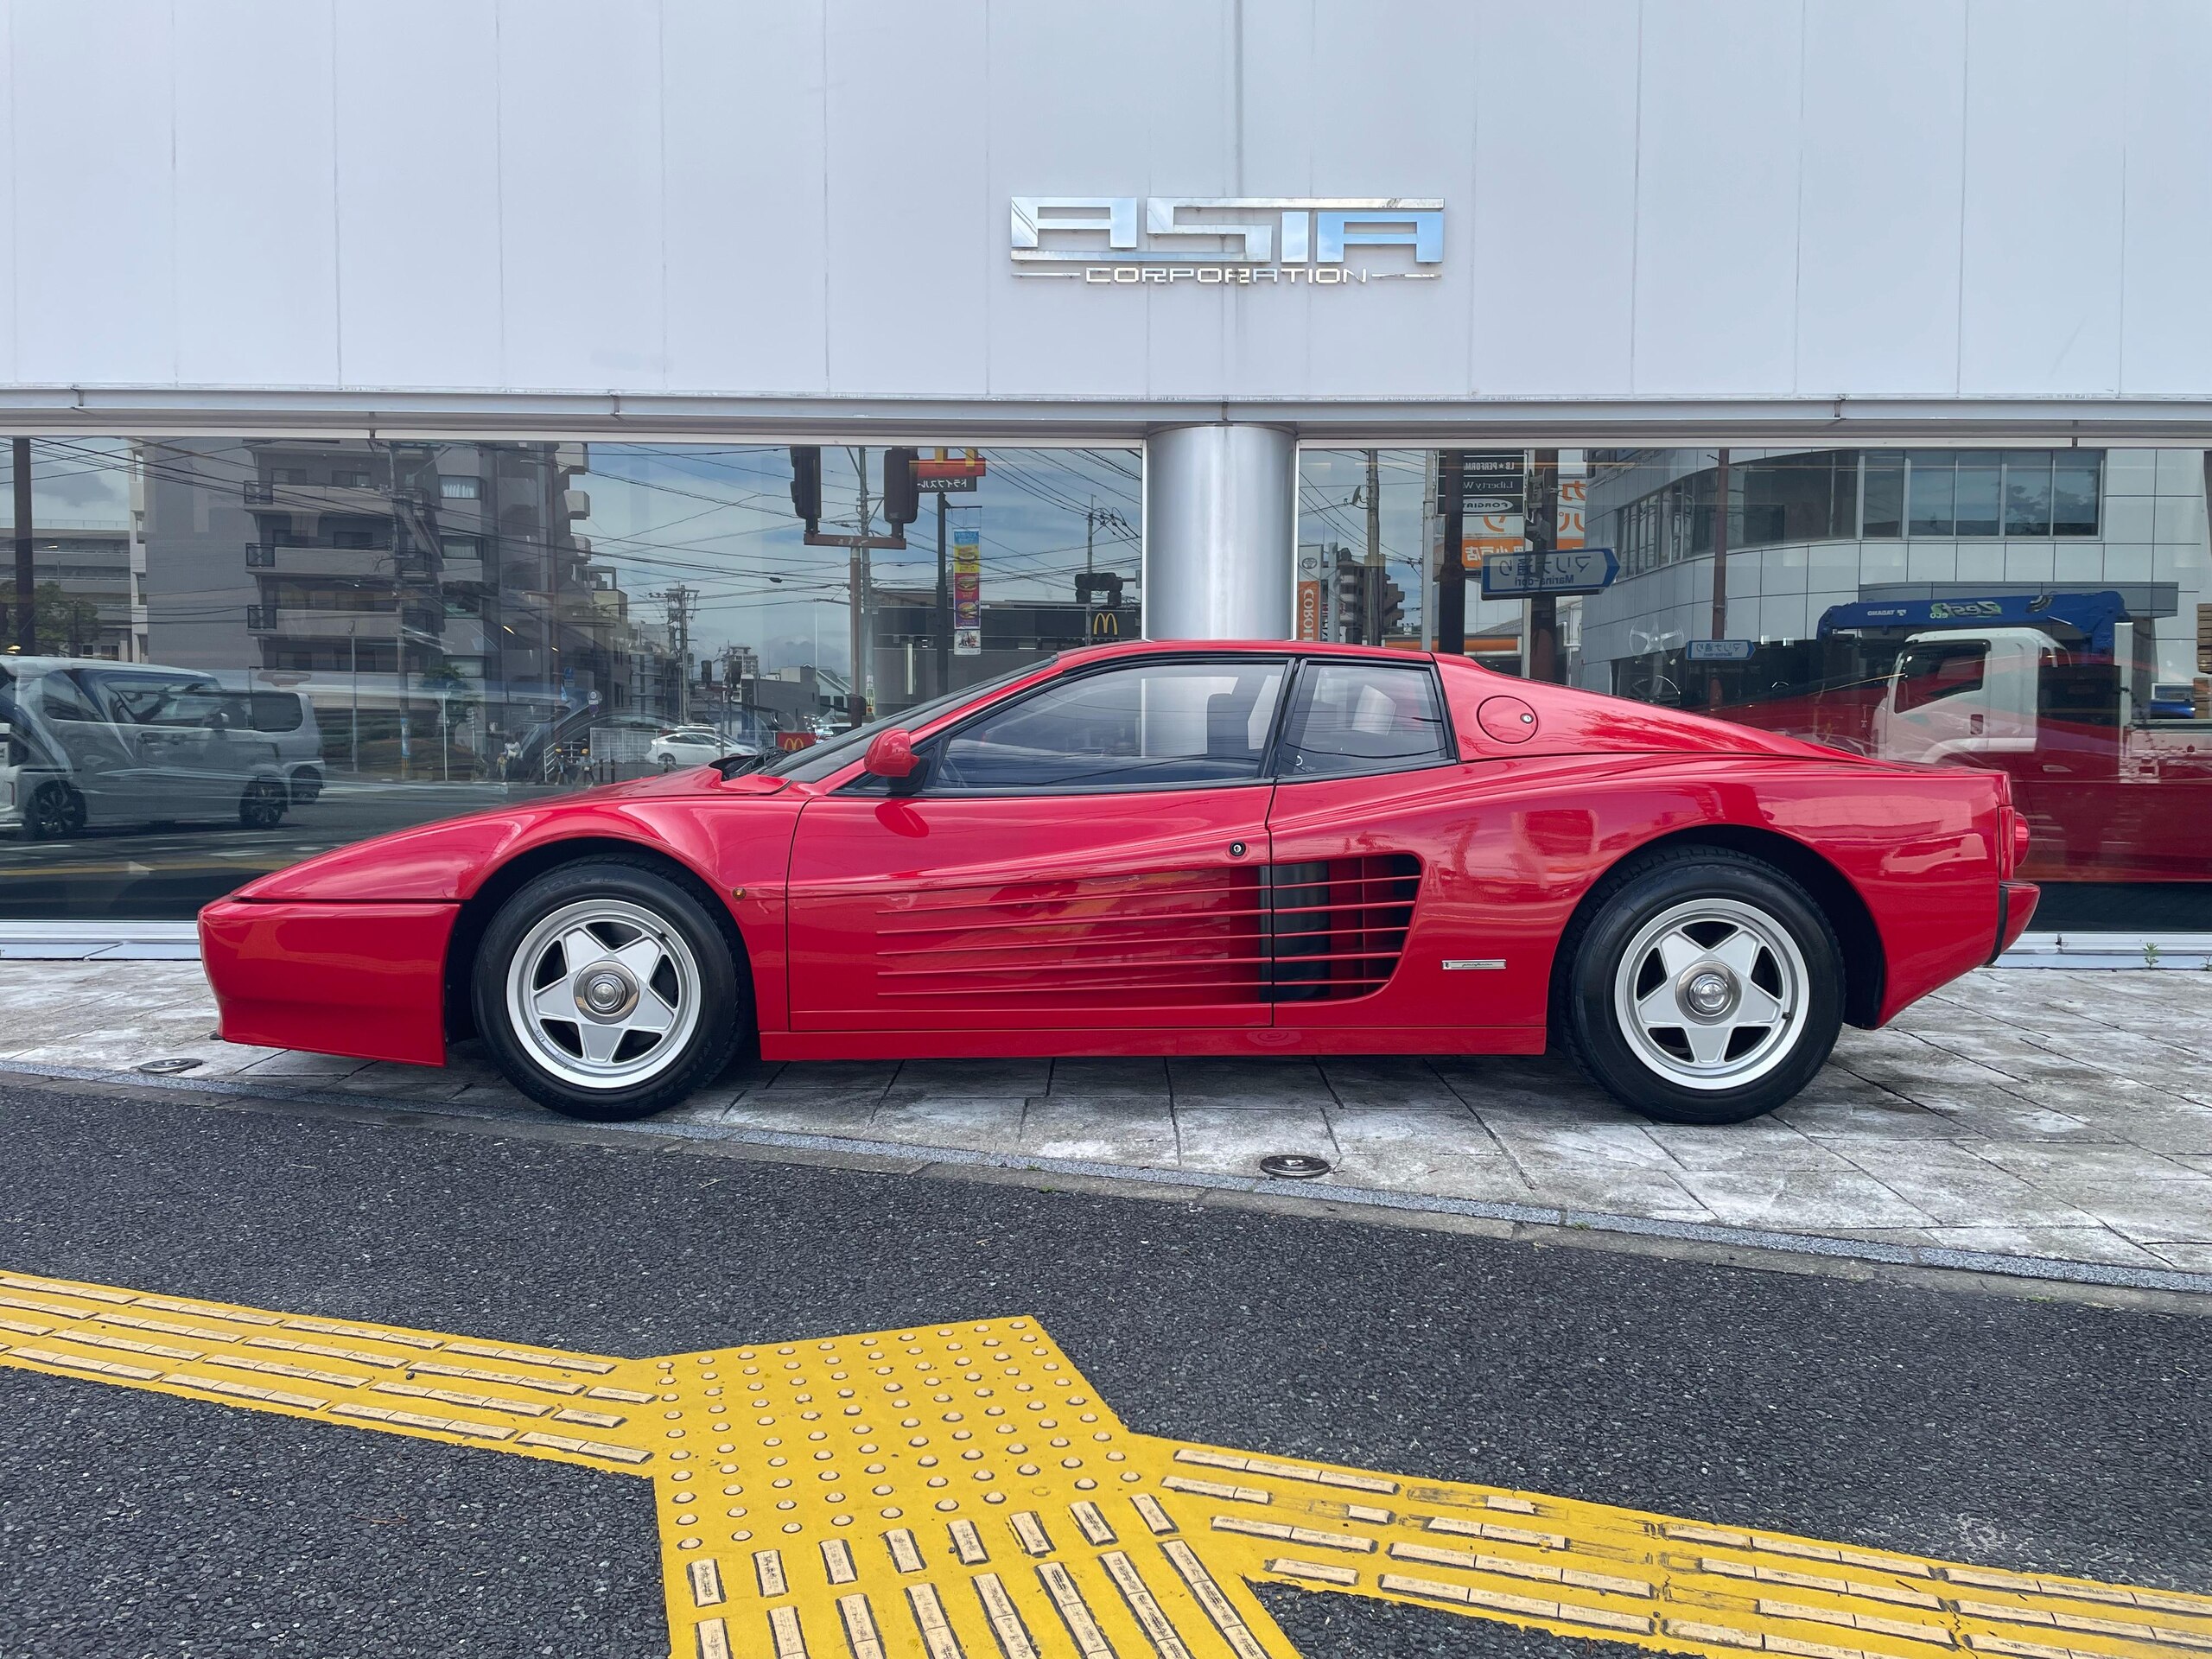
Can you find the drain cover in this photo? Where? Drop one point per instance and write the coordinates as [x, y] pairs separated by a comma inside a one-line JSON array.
[[164, 1068], [1292, 1166]]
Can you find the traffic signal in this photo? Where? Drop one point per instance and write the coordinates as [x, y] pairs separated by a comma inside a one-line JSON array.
[[1351, 604], [806, 484], [1391, 614], [1092, 585], [902, 497]]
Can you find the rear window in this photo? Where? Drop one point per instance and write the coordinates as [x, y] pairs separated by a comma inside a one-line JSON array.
[[277, 711]]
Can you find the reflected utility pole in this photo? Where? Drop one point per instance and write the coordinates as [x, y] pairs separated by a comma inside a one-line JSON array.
[[1720, 572], [1541, 534], [1372, 577], [26, 574], [857, 578]]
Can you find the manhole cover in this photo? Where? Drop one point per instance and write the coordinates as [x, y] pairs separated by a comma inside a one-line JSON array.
[[164, 1068], [1292, 1166]]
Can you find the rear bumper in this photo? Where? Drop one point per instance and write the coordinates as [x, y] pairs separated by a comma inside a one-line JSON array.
[[365, 980], [2016, 908]]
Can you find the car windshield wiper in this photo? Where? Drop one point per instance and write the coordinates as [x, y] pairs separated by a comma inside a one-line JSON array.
[[736, 765]]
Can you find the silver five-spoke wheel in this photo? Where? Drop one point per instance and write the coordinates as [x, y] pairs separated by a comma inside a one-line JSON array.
[[1710, 993], [605, 994]]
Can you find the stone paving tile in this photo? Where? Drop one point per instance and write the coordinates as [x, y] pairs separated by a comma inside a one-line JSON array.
[[2189, 1258], [1239, 1083], [1101, 1128], [1620, 1190], [990, 1124], [1231, 1139], [2077, 1163], [1802, 1200], [1762, 1144], [835, 1076], [292, 1064], [1458, 1130], [803, 1111], [924, 1079], [1434, 1173], [1563, 1143], [2155, 1212], [1388, 1086], [1143, 1077]]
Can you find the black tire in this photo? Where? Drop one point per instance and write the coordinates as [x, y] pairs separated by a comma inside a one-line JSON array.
[[307, 786], [690, 940], [264, 803], [1648, 1065], [55, 812]]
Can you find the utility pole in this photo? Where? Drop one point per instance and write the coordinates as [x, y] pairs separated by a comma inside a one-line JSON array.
[[1719, 573], [679, 598], [857, 577], [1541, 531], [1451, 567], [1371, 611], [26, 574], [943, 628]]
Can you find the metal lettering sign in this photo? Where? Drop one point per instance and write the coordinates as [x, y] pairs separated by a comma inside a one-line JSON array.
[[1720, 651], [1517, 576], [1243, 241]]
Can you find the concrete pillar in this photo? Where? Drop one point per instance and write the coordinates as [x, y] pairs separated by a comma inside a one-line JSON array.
[[1220, 532]]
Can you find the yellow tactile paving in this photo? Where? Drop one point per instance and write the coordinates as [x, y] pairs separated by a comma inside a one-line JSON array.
[[958, 1491]]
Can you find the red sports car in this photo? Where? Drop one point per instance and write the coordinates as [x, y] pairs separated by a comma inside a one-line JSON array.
[[1252, 849]]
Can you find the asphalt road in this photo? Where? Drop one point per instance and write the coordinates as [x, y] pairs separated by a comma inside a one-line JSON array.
[[2018, 1433]]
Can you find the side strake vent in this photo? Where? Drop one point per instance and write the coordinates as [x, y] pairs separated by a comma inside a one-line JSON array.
[[1322, 932], [1339, 926], [1162, 938]]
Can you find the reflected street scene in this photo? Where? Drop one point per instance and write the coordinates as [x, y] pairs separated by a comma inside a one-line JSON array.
[[253, 650]]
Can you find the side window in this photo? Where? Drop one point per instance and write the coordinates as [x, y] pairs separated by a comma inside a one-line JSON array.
[[1163, 725], [1929, 673], [60, 697], [1348, 718]]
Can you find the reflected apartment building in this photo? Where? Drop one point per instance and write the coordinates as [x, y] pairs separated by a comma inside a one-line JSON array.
[[410, 590]]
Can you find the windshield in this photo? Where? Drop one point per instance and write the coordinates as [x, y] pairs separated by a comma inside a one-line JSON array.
[[807, 765]]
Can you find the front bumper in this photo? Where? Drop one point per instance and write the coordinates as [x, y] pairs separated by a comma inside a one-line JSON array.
[[366, 979]]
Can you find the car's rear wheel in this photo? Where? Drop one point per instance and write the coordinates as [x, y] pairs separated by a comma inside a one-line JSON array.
[[264, 804], [55, 812], [1704, 986], [605, 991]]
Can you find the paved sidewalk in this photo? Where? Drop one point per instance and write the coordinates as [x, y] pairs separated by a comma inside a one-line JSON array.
[[2048, 1114]]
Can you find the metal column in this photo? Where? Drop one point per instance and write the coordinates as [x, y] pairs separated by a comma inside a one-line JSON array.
[[1220, 528]]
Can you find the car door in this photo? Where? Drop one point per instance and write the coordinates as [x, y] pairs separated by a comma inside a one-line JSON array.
[[1369, 788], [1087, 854], [101, 764]]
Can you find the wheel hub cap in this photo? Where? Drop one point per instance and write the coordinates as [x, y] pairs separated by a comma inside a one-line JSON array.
[[1708, 992], [605, 991]]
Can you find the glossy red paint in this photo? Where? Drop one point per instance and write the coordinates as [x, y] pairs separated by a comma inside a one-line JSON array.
[[368, 973], [1142, 922]]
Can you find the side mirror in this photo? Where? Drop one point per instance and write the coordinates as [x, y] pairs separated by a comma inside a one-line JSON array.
[[891, 754]]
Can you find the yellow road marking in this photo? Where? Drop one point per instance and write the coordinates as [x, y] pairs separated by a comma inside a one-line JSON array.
[[959, 1491]]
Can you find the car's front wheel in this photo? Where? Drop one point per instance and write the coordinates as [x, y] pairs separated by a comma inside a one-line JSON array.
[[605, 991], [1704, 986]]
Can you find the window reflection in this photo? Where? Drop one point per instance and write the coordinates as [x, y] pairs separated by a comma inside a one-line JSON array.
[[252, 649]]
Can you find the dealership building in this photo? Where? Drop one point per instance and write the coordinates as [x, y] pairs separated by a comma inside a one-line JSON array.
[[470, 390]]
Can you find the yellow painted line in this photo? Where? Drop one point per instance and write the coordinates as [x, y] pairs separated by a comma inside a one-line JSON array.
[[959, 1491]]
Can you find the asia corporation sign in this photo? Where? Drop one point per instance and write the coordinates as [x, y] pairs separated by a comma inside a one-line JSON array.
[[1229, 241]]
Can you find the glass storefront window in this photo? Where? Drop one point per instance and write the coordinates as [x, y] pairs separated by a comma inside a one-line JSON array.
[[253, 649], [2046, 612]]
